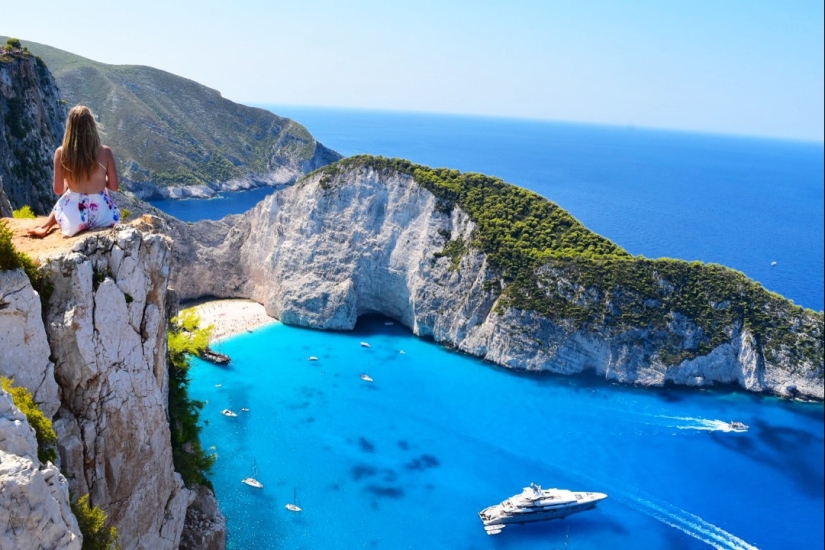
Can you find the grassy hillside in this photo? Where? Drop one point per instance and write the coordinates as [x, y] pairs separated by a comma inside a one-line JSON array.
[[550, 263], [170, 131]]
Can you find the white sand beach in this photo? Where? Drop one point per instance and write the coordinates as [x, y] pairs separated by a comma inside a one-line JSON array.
[[230, 316]]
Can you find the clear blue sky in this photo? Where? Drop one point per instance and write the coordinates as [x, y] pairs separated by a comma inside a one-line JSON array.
[[752, 67]]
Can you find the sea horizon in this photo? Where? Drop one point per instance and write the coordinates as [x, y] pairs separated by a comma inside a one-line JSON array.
[[288, 107]]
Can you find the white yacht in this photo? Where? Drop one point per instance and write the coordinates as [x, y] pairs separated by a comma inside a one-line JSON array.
[[537, 504], [366, 378], [229, 412], [365, 345]]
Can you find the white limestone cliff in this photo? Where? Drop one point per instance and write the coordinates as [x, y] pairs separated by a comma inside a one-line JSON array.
[[34, 499], [106, 328], [326, 251], [98, 368]]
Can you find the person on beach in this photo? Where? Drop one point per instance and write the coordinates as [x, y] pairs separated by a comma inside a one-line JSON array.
[[84, 172]]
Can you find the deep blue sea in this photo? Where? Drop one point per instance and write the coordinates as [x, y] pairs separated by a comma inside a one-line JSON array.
[[408, 460]]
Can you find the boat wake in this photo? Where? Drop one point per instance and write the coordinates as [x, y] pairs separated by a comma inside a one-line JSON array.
[[672, 516], [688, 523], [701, 424]]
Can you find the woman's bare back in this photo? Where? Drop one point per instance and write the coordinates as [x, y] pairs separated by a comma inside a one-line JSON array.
[[105, 175]]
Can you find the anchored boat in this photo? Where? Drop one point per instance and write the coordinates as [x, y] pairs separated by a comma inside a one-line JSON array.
[[537, 504]]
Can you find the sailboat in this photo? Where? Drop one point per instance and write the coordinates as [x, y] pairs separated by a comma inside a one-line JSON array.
[[251, 481], [294, 507]]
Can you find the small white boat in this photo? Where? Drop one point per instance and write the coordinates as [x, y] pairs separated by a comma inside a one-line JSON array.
[[366, 378], [312, 358], [402, 352], [293, 507], [365, 345], [228, 412], [773, 264], [252, 482], [217, 385], [244, 409], [736, 426]]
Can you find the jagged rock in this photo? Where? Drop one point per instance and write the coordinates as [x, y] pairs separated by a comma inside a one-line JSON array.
[[24, 349], [106, 329], [359, 240], [34, 499], [205, 527]]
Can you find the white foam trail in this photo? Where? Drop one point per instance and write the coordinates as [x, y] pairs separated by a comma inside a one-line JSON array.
[[702, 424], [691, 524], [673, 516]]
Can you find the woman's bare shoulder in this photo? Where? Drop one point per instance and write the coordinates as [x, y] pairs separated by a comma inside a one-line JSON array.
[[106, 152]]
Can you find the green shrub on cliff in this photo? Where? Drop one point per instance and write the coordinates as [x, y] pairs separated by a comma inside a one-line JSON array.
[[43, 429], [550, 263], [25, 212], [92, 520], [186, 338]]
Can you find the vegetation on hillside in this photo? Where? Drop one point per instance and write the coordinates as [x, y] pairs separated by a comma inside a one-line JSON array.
[[92, 520], [25, 212], [43, 429], [548, 262], [185, 339]]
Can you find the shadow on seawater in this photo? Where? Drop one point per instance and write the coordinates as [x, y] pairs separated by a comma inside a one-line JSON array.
[[374, 324], [803, 470], [558, 534]]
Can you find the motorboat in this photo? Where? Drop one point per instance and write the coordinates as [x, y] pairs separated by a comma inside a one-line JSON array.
[[244, 409], [366, 378], [365, 345], [537, 504], [312, 358], [228, 412], [737, 426]]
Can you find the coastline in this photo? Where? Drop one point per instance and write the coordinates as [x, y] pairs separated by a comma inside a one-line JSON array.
[[230, 316]]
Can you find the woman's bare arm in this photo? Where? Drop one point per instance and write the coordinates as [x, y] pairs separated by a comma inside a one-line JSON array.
[[58, 184], [111, 169]]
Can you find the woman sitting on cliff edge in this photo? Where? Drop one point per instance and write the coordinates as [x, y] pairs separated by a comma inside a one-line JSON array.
[[84, 172]]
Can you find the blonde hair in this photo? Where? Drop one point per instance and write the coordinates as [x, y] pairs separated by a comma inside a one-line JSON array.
[[80, 144]]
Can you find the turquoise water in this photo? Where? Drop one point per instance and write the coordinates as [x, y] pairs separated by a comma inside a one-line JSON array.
[[408, 460]]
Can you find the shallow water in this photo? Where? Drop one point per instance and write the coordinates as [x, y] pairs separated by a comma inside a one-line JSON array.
[[408, 460]]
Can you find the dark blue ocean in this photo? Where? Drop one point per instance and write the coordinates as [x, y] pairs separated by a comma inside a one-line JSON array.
[[408, 460]]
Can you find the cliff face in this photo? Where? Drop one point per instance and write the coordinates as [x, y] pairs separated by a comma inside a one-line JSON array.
[[31, 127], [98, 367], [34, 500], [344, 243]]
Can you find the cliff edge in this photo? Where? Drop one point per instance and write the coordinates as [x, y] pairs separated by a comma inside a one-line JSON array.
[[97, 367]]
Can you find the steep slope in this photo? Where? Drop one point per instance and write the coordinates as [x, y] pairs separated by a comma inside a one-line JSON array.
[[32, 118], [498, 272], [173, 137]]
